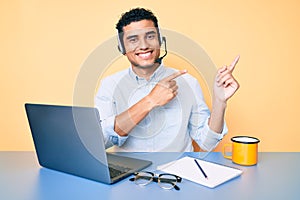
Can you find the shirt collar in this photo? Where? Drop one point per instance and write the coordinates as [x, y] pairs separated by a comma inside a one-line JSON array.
[[156, 76]]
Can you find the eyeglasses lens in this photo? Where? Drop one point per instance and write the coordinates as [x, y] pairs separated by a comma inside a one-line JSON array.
[[143, 178], [167, 181]]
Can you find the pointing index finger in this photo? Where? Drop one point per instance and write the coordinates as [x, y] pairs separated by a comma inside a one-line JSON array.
[[233, 64], [175, 75]]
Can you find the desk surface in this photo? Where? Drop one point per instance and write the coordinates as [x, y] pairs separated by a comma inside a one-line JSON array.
[[276, 176]]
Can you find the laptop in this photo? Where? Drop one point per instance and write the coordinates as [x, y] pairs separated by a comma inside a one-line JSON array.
[[69, 139]]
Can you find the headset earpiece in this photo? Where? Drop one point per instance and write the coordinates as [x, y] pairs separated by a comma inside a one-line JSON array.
[[160, 37], [121, 47]]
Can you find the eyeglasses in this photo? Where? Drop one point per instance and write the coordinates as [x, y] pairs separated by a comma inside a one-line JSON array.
[[165, 181]]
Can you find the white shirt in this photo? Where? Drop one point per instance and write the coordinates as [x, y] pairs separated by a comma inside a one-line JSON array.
[[167, 128]]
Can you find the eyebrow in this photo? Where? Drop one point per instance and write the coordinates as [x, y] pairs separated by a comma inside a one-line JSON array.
[[134, 36], [150, 32]]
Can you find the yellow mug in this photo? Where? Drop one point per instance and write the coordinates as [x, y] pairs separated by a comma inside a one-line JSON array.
[[244, 150]]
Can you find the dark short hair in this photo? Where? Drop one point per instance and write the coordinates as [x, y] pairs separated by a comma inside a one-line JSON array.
[[135, 15]]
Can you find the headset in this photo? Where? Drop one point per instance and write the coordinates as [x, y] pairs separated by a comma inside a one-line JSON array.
[[161, 40]]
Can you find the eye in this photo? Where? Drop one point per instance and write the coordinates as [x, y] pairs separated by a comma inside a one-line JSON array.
[[151, 36], [133, 39]]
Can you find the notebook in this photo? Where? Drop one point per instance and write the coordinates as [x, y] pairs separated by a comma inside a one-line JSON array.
[[69, 139], [187, 168]]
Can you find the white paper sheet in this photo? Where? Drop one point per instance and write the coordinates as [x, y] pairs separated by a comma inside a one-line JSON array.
[[187, 168]]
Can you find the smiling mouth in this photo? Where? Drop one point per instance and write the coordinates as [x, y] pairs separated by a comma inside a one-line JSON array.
[[144, 55]]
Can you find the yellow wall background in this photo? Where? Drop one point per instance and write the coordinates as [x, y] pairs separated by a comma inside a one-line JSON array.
[[43, 44]]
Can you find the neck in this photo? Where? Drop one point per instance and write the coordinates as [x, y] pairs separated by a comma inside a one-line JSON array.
[[145, 72]]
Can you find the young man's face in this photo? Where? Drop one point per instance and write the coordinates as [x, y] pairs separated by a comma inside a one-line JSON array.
[[141, 43]]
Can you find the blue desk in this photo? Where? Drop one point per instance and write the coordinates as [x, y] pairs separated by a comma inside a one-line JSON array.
[[275, 177]]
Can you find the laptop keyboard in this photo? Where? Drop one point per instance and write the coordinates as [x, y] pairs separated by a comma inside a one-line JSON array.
[[116, 170]]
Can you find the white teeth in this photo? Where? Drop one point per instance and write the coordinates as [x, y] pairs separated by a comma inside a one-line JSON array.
[[144, 55]]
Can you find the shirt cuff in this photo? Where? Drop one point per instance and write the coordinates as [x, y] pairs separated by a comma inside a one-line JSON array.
[[213, 138], [110, 136]]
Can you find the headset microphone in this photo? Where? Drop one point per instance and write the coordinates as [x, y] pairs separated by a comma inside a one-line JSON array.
[[159, 60]]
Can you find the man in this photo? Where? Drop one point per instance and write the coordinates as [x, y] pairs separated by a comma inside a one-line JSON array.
[[150, 107]]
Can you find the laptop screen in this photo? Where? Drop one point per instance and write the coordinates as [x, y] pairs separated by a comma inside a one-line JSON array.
[[69, 139]]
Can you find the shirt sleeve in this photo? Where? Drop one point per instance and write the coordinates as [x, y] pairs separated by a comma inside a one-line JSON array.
[[106, 106], [210, 139], [198, 122]]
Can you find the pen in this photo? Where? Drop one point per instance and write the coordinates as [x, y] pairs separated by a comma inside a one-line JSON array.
[[201, 169]]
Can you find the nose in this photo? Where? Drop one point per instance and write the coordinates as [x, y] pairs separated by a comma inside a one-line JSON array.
[[143, 44]]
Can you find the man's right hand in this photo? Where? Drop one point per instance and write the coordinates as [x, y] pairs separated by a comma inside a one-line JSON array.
[[165, 90], [162, 93]]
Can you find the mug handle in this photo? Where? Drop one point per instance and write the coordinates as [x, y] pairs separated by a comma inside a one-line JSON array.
[[224, 151]]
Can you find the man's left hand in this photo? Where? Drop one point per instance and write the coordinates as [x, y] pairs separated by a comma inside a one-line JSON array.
[[225, 84]]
